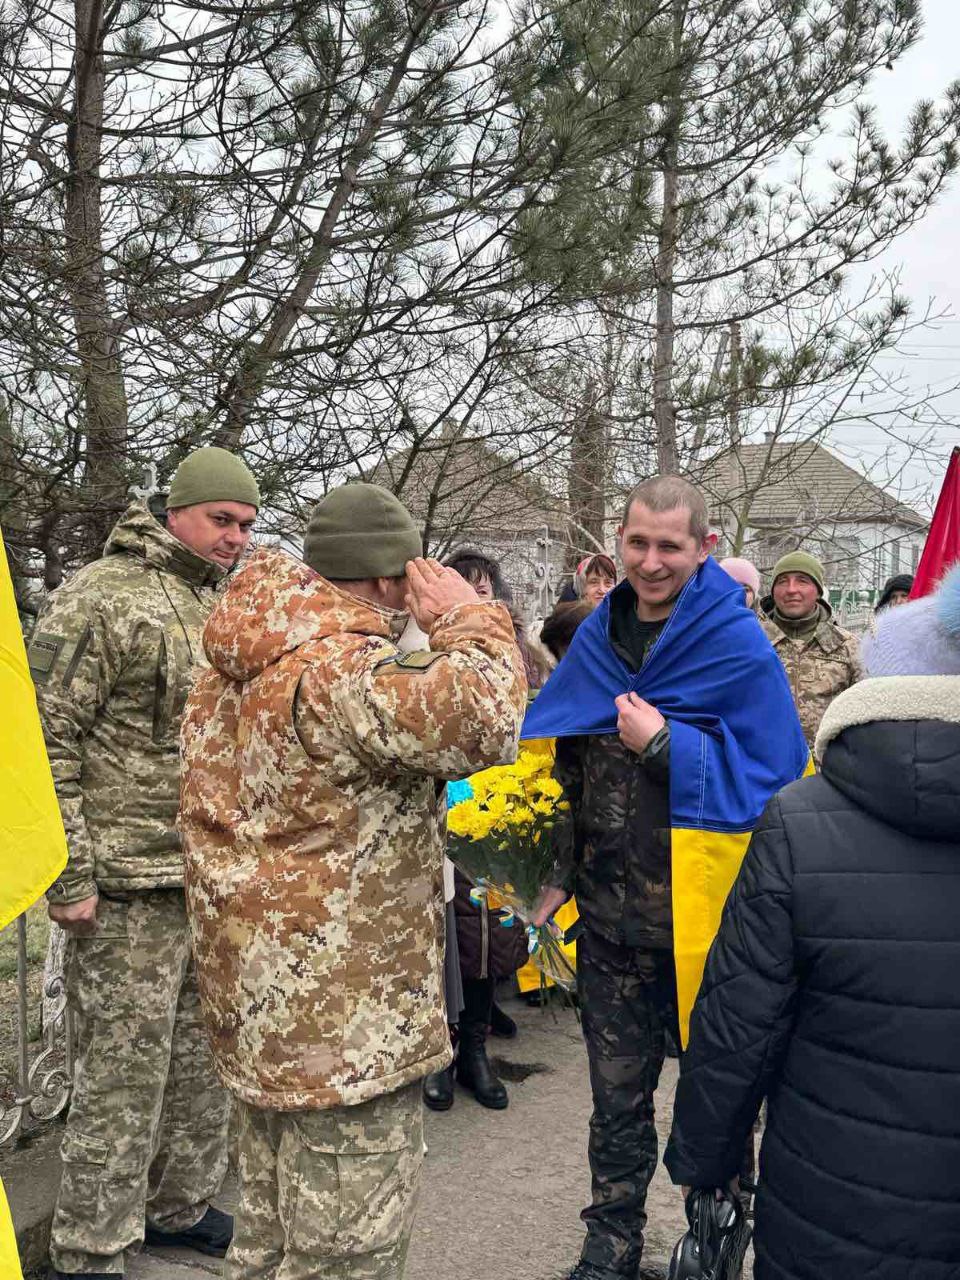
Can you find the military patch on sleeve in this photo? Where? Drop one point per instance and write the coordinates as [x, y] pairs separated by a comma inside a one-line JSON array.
[[42, 654], [412, 662]]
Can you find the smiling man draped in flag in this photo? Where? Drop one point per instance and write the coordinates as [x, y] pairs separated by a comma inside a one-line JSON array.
[[675, 726]]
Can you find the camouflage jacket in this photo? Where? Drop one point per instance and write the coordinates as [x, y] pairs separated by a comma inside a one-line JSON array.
[[818, 668], [614, 846], [312, 825], [112, 658]]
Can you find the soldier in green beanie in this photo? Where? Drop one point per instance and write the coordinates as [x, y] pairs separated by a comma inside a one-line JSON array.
[[820, 658], [113, 657], [212, 504], [363, 534]]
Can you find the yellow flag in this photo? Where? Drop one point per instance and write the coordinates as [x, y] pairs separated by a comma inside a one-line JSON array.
[[33, 848], [9, 1257]]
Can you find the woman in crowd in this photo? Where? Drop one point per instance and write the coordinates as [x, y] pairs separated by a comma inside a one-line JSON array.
[[556, 635], [896, 591], [560, 627], [832, 986], [484, 951], [595, 576], [747, 574]]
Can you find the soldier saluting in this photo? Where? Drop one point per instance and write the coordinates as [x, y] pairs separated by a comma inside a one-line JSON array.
[[112, 658], [312, 822]]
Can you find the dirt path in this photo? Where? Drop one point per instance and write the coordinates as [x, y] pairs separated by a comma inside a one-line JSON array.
[[502, 1190]]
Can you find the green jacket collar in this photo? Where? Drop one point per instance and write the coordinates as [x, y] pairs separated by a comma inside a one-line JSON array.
[[827, 635], [140, 534]]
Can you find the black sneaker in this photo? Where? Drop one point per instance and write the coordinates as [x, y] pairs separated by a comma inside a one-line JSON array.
[[211, 1235]]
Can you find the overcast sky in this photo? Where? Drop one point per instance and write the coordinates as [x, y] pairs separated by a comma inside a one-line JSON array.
[[929, 255]]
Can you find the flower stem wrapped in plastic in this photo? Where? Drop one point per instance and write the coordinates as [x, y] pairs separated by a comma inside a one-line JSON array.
[[500, 824]]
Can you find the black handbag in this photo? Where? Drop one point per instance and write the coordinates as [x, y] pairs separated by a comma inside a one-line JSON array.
[[716, 1243]]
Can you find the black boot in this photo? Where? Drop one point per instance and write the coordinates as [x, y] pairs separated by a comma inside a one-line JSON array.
[[438, 1090], [211, 1235], [501, 1024], [474, 1071]]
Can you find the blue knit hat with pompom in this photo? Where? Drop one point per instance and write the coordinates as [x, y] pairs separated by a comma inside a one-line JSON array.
[[921, 638]]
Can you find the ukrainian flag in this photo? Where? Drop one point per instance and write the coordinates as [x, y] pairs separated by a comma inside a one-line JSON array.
[[735, 740], [33, 848]]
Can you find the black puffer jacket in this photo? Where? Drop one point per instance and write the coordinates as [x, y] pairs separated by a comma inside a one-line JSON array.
[[834, 989]]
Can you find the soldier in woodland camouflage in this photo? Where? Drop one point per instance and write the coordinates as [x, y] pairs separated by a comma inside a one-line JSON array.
[[312, 820], [820, 658], [112, 658]]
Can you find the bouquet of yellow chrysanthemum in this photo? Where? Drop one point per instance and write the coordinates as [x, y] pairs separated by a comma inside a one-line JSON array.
[[500, 823]]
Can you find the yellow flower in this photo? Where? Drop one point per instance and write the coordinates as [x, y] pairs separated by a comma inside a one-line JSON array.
[[505, 785], [521, 816], [497, 808], [466, 820], [550, 788]]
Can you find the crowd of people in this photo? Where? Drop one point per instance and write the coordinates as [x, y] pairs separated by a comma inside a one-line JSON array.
[[250, 753]]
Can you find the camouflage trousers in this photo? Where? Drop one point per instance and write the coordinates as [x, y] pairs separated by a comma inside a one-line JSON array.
[[147, 1131], [628, 1000], [328, 1195]]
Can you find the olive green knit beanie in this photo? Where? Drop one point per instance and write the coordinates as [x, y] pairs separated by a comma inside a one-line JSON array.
[[212, 475], [801, 562], [360, 531]]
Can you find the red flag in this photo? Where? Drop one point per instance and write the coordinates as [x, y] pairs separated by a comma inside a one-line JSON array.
[[942, 547]]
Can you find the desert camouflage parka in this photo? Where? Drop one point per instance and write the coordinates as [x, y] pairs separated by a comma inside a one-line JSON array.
[[112, 658], [312, 817]]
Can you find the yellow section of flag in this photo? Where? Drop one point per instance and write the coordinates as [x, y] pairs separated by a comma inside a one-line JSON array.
[[33, 848], [9, 1257], [705, 865]]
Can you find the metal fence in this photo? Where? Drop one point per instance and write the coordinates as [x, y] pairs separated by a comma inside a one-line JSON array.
[[44, 1068], [853, 606]]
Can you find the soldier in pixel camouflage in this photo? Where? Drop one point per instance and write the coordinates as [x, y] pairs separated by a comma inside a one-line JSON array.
[[820, 658], [112, 658], [314, 753]]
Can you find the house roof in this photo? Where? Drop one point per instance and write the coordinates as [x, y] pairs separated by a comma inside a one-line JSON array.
[[464, 486], [796, 483]]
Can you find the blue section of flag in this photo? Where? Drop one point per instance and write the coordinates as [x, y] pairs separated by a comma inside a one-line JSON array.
[[457, 792], [735, 738]]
